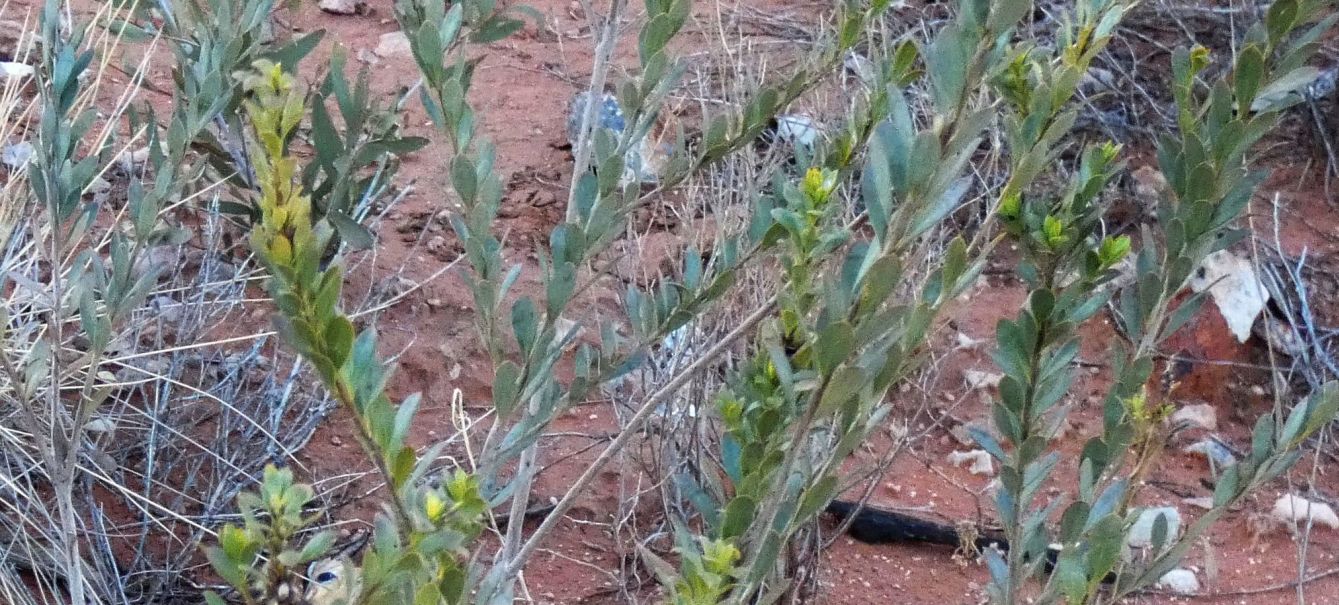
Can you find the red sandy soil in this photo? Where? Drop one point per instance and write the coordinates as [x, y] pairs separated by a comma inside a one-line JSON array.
[[522, 100], [523, 106]]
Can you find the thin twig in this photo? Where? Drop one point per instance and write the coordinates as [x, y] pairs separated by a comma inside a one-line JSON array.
[[648, 408]]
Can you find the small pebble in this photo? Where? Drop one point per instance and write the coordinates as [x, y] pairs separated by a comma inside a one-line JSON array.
[[1180, 581]]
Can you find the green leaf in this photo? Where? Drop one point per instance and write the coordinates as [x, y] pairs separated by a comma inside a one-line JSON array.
[[845, 383], [1104, 549], [1226, 488], [1321, 407], [404, 417], [835, 344], [1069, 576], [290, 55], [1105, 506], [941, 206], [1160, 529], [128, 31], [316, 547], [465, 179], [1280, 19], [338, 340], [768, 553], [402, 466], [1184, 313], [738, 516], [1006, 422], [947, 59], [450, 25], [877, 188], [236, 544], [987, 442], [879, 281], [896, 136], [1005, 14], [357, 236], [999, 569], [904, 63], [1296, 419], [496, 29], [1286, 90], [654, 36], [525, 323], [663, 570], [816, 498], [1250, 71], [1072, 522], [506, 385], [1262, 438]]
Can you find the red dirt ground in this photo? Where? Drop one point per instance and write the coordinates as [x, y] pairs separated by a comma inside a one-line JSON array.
[[522, 102]]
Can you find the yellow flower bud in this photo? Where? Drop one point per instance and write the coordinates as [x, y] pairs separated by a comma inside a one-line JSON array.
[[818, 184], [434, 506]]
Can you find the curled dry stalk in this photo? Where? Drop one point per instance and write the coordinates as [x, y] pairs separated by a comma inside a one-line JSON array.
[[1066, 261]]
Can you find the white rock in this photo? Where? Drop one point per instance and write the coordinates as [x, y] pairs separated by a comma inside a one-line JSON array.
[[1235, 288], [1199, 416], [1141, 533], [1180, 581], [99, 186], [15, 71], [981, 463], [164, 259], [1291, 508], [167, 310], [101, 425], [963, 342], [977, 379], [17, 155], [797, 130], [131, 159], [1204, 502], [343, 7], [393, 44]]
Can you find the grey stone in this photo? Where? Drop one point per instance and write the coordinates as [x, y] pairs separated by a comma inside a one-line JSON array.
[[18, 154], [1180, 581]]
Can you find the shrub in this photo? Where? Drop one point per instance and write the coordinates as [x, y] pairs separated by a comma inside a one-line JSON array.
[[839, 332], [863, 241], [1065, 262]]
